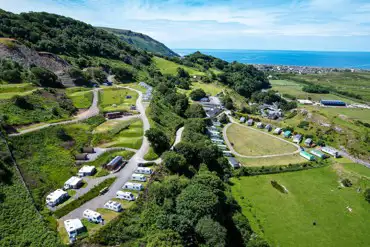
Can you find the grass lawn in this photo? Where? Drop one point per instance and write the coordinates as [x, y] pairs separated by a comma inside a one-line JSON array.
[[7, 91], [351, 113], [272, 161], [151, 155], [116, 96], [82, 98], [314, 196], [209, 88], [170, 68], [252, 142]]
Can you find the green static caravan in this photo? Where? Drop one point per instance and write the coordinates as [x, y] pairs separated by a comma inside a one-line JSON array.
[[318, 153], [307, 156]]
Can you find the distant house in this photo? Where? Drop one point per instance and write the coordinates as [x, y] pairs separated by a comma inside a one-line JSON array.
[[268, 127], [114, 163], [233, 163], [73, 183], [305, 101], [56, 197], [250, 122], [308, 142], [332, 151], [260, 125], [287, 134], [81, 157], [277, 131], [307, 156], [332, 103], [297, 138], [318, 153], [242, 120], [86, 171]]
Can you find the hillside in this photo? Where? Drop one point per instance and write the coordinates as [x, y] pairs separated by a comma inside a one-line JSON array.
[[142, 41]]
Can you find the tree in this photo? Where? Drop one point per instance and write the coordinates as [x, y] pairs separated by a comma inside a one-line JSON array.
[[181, 73], [367, 195], [224, 119], [158, 140], [123, 74], [211, 231], [197, 94], [164, 238], [188, 150], [45, 78], [195, 111], [174, 162]]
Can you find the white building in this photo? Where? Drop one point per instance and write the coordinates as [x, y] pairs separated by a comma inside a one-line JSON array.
[[114, 206], [125, 195], [305, 101], [86, 171], [222, 147], [144, 170], [133, 186], [56, 197], [138, 177], [260, 125], [73, 183], [277, 131], [332, 151], [92, 216], [73, 227]]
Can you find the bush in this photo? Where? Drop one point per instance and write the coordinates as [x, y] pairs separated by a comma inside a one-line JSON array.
[[315, 89], [45, 78], [197, 94], [303, 125], [367, 195], [346, 182]]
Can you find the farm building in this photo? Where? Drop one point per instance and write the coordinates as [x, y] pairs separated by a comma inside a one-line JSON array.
[[242, 120], [125, 195], [332, 103], [81, 157], [260, 125], [305, 101], [297, 138], [234, 163], [86, 171], [56, 197], [114, 163], [227, 153], [144, 170], [318, 153], [133, 186], [268, 127], [287, 134], [277, 131], [138, 177], [307, 156], [73, 227], [92, 216], [332, 151], [308, 142], [250, 122], [114, 206], [112, 115], [89, 150], [73, 183]]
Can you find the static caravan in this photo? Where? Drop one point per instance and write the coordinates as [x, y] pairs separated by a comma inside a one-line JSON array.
[[277, 131], [260, 125], [114, 206], [128, 196], [81, 157], [214, 133], [138, 177], [73, 183], [250, 122], [308, 142], [86, 171], [92, 216], [73, 227], [233, 163], [318, 153], [332, 151], [307, 156], [222, 147], [89, 150], [297, 138], [268, 127], [227, 153], [114, 163], [218, 141], [56, 197], [242, 120], [133, 186], [144, 170], [287, 134], [217, 124]]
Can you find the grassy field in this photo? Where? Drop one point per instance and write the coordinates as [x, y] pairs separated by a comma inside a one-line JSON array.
[[272, 161], [252, 142], [8, 91], [116, 96], [170, 68], [314, 196], [348, 113], [81, 98]]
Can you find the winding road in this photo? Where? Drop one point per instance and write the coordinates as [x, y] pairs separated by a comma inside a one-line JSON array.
[[232, 121]]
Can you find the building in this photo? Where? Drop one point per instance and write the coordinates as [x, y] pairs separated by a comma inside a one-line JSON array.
[[114, 206], [73, 183], [73, 228], [277, 131], [123, 195], [233, 163], [332, 151], [81, 157], [56, 197], [133, 186], [114, 163], [308, 142], [144, 170], [268, 127], [138, 177], [86, 171], [297, 138], [89, 150], [222, 147], [227, 153], [216, 140], [250, 122], [307, 156], [332, 103], [242, 120], [287, 134], [305, 101], [260, 125], [92, 216], [318, 153], [112, 115]]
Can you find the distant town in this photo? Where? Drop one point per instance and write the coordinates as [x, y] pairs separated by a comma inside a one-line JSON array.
[[303, 69]]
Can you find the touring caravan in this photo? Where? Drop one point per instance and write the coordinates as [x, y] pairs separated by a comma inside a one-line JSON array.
[[114, 206], [144, 170], [93, 216], [138, 177], [133, 186], [128, 196]]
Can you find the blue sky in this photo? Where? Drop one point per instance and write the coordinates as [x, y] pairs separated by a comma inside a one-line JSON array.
[[225, 24]]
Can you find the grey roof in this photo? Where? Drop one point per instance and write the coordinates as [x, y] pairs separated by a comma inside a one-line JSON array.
[[233, 162]]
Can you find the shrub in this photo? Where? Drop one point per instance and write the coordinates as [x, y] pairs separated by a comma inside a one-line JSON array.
[[346, 182], [367, 195], [45, 78], [197, 94]]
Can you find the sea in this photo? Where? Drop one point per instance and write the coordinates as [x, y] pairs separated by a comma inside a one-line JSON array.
[[328, 59]]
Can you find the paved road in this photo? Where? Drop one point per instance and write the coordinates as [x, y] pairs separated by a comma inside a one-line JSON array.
[[259, 156], [178, 137], [92, 111], [122, 176]]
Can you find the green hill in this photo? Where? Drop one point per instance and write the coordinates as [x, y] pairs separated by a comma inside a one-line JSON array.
[[142, 41]]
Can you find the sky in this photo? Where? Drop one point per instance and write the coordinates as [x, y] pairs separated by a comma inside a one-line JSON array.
[[330, 25]]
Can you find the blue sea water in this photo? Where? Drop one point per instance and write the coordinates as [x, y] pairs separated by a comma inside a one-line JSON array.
[[357, 60]]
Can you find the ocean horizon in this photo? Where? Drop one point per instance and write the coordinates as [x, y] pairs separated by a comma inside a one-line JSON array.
[[327, 59]]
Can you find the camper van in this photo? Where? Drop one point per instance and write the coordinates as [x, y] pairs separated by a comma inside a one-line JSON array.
[[114, 206], [138, 177], [128, 196], [133, 186], [144, 170], [92, 216]]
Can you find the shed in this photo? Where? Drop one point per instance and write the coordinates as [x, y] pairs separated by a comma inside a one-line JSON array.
[[114, 163], [287, 134], [81, 157], [260, 125], [318, 153], [73, 183], [114, 206], [89, 150], [332, 103], [242, 120], [308, 142], [233, 163], [73, 227], [297, 138], [133, 186], [250, 122], [56, 197], [124, 195], [307, 156], [86, 171], [268, 127]]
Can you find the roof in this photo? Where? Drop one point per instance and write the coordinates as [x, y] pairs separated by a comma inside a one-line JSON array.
[[112, 203], [304, 153], [233, 161], [298, 136], [73, 181], [138, 175], [114, 161], [133, 184], [91, 213], [73, 225], [317, 152], [332, 102], [124, 193], [55, 195], [250, 120], [288, 132], [308, 140], [144, 168], [87, 169], [81, 156]]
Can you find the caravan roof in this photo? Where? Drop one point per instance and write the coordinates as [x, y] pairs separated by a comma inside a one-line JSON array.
[[53, 196], [86, 169], [73, 181], [89, 212], [73, 225]]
